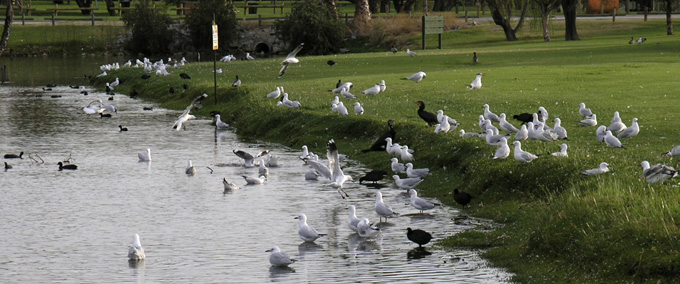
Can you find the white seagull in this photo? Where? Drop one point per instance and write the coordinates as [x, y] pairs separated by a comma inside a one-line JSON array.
[[522, 134], [190, 169], [358, 109], [505, 125], [383, 209], [592, 121], [417, 77], [352, 219], [600, 133], [274, 94], [611, 140], [346, 94], [145, 157], [411, 53], [406, 155], [562, 152], [365, 229], [401, 168], [658, 172], [182, 119], [503, 151], [248, 159], [603, 168], [583, 111], [278, 258], [675, 152], [248, 57], [254, 180], [338, 178], [228, 185], [416, 173], [219, 124], [631, 131], [406, 183], [290, 59], [136, 251], [559, 130], [372, 90], [476, 83], [420, 203], [617, 125], [522, 156], [382, 86], [306, 232]]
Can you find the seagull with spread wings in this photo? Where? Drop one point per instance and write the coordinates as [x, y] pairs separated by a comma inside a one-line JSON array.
[[290, 59]]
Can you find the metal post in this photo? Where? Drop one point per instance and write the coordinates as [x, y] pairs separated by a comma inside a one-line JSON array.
[[92, 16], [23, 17], [423, 32], [53, 15]]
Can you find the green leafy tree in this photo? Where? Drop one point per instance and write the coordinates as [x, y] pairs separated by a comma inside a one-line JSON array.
[[200, 20], [311, 22], [150, 30]]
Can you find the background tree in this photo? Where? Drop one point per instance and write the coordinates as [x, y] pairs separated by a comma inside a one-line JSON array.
[[362, 17], [149, 30], [9, 17], [545, 7], [501, 12], [84, 4], [311, 22], [200, 20], [443, 5], [669, 6], [570, 8]]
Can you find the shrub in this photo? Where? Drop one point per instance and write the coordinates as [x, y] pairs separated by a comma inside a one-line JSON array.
[[200, 21], [311, 22], [150, 31]]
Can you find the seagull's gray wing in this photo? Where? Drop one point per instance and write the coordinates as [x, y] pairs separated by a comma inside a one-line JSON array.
[[295, 51]]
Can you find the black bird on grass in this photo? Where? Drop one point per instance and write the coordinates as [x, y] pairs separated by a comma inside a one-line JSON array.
[[122, 128], [373, 176], [184, 76], [427, 116], [462, 198], [14, 156], [330, 63], [418, 236], [67, 167], [146, 76], [380, 143], [524, 117], [172, 90], [394, 49], [338, 84], [185, 86], [475, 59]]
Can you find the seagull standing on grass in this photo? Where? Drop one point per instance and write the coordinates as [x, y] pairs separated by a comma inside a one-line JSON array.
[[506, 126], [401, 168], [658, 172], [503, 151], [411, 53], [631, 131], [490, 115], [476, 83], [562, 152], [406, 183], [416, 173], [417, 77], [358, 109], [275, 94], [611, 140], [600, 133], [603, 168], [522, 156], [290, 59], [583, 111], [675, 152], [559, 130]]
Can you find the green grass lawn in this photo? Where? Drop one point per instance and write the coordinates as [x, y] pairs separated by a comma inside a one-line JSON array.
[[555, 225]]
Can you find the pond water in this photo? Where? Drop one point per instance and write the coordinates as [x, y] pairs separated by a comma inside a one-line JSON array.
[[76, 226]]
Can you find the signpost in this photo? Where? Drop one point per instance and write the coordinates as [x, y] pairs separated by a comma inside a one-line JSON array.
[[433, 25], [215, 47]]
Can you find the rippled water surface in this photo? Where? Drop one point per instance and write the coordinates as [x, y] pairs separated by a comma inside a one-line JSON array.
[[76, 226]]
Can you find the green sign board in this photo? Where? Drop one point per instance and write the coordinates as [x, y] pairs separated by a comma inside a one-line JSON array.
[[433, 25]]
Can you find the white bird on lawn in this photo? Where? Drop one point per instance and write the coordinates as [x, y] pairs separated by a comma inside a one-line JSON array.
[[219, 124], [274, 94], [600, 133], [585, 112], [503, 151], [611, 140], [278, 258], [603, 168], [559, 130], [383, 209], [522, 156], [617, 125], [476, 83], [490, 115], [631, 131], [658, 172], [398, 167], [358, 109], [306, 232], [411, 53], [290, 59], [338, 89], [417, 77], [136, 251], [562, 152], [592, 121], [145, 157], [393, 149], [420, 203], [372, 90], [352, 219], [416, 173], [383, 87], [249, 57], [115, 83], [346, 94], [522, 134], [505, 125], [365, 229], [291, 104], [406, 155], [493, 140], [341, 109], [440, 118], [675, 152], [406, 183], [443, 126], [542, 114]]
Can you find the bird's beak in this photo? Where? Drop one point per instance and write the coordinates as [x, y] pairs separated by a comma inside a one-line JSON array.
[[296, 218], [269, 250]]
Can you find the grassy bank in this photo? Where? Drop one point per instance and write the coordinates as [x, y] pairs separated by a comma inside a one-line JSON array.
[[66, 40], [557, 225]]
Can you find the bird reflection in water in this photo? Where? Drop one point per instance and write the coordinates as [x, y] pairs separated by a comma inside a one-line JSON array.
[[136, 264], [280, 271], [417, 253]]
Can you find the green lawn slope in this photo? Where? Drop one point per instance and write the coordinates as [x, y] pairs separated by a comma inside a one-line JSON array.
[[555, 225]]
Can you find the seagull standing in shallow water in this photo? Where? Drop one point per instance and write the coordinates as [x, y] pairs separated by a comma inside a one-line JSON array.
[[383, 209], [278, 258], [290, 59], [306, 232], [352, 219], [420, 203]]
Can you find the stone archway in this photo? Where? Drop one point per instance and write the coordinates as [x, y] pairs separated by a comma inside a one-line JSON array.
[[261, 48]]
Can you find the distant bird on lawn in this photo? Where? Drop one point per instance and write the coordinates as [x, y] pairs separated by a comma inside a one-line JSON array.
[[184, 76], [411, 53], [418, 236], [427, 116], [658, 172], [394, 49], [417, 77], [380, 143], [632, 41], [290, 59], [524, 117], [461, 197], [475, 59], [330, 63], [237, 82], [477, 82], [603, 168]]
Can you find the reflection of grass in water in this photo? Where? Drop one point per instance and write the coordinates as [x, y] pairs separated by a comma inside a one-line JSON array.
[[72, 39], [559, 226]]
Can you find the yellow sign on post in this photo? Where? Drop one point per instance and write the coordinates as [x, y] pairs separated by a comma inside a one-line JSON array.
[[214, 36]]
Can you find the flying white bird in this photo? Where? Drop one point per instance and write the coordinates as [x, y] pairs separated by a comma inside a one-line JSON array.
[[179, 124], [290, 59], [658, 172], [603, 168]]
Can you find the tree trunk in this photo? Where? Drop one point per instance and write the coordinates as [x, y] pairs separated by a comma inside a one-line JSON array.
[[373, 6], [398, 4], [498, 19], [545, 20], [331, 3], [9, 17], [110, 4], [570, 9], [384, 6], [84, 4], [362, 17], [669, 21]]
